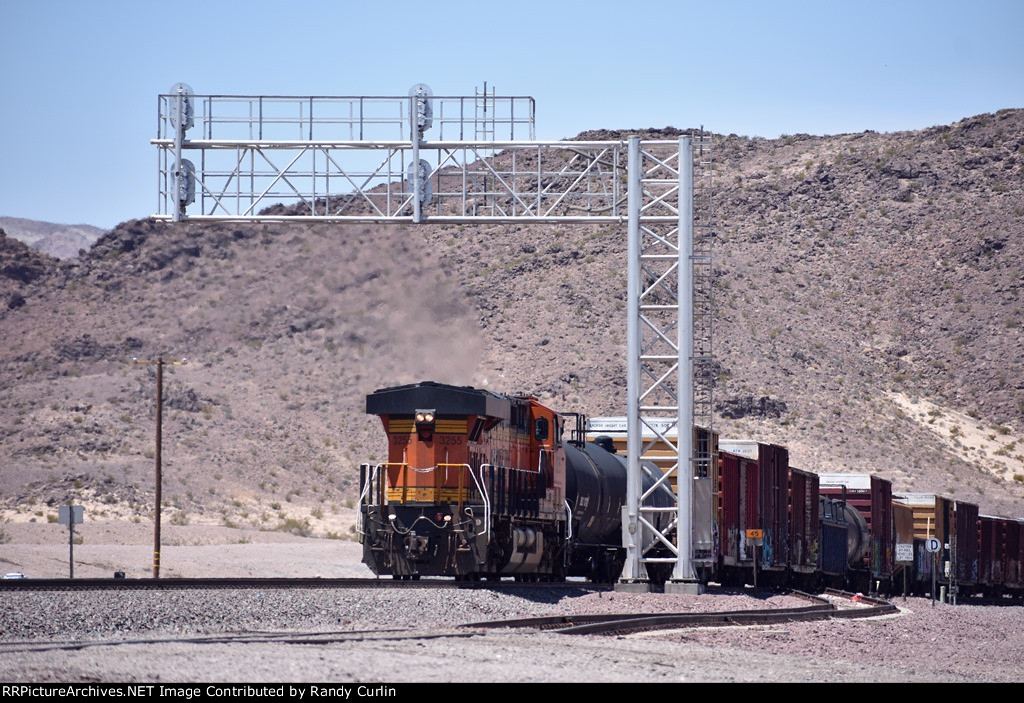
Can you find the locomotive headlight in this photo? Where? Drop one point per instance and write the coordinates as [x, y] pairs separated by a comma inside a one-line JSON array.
[[425, 424]]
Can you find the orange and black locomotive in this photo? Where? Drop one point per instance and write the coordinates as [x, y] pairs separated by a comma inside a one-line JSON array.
[[481, 485]]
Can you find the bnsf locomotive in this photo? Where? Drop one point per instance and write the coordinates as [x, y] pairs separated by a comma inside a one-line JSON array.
[[481, 485]]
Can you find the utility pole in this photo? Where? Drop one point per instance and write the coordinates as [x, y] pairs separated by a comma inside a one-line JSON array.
[[159, 362]]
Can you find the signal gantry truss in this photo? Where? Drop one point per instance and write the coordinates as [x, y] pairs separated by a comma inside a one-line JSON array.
[[366, 159]]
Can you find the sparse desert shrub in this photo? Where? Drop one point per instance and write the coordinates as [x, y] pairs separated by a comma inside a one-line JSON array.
[[295, 526]]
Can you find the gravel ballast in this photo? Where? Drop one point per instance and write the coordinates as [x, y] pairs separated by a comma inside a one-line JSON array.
[[372, 635], [393, 635]]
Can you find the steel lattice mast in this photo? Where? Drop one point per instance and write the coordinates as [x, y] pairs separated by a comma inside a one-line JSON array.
[[365, 159]]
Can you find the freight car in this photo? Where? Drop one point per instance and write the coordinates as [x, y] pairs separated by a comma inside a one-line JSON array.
[[955, 524], [481, 485], [866, 537], [868, 501], [1000, 556], [852, 538], [803, 535]]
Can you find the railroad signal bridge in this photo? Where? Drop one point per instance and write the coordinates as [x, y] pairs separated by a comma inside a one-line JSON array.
[[420, 158]]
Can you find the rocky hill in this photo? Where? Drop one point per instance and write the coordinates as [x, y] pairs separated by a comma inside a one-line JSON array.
[[869, 311], [60, 241]]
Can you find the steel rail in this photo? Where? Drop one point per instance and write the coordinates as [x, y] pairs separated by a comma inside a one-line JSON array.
[[622, 623]]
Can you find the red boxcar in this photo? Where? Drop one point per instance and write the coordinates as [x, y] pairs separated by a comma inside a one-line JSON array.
[[881, 528], [966, 541], [804, 521], [773, 462], [999, 553], [991, 553], [1015, 555], [739, 509], [762, 479]]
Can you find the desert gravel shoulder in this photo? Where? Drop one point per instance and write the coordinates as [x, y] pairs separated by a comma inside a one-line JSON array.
[[390, 635]]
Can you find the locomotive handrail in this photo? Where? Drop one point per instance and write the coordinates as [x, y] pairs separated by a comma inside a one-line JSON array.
[[487, 500], [401, 465], [480, 489], [365, 488], [365, 496], [376, 475], [364, 491]]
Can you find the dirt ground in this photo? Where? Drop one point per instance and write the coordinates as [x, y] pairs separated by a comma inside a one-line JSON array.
[[187, 551]]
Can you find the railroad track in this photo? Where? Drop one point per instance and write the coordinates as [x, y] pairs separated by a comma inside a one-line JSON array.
[[824, 607], [164, 584]]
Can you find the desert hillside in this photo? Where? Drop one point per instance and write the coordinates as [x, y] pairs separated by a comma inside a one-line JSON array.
[[60, 241], [869, 316]]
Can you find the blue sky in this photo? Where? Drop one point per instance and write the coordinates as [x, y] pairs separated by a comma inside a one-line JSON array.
[[79, 80]]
